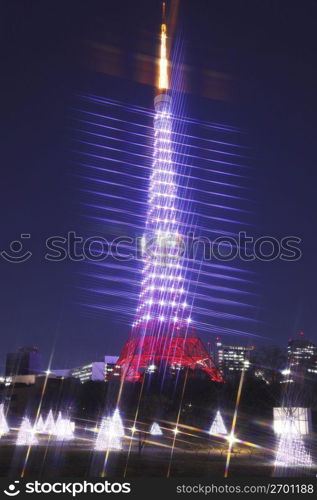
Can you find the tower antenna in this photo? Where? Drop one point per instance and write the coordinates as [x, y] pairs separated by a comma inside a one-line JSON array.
[[163, 13], [163, 73]]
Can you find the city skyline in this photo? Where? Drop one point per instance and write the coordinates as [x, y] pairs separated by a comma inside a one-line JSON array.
[[298, 357]]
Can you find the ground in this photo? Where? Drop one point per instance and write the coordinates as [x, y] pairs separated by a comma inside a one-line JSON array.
[[51, 460]]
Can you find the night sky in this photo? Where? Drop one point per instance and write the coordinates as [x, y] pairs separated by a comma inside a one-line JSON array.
[[53, 50]]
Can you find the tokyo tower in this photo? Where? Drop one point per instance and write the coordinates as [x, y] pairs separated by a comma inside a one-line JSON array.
[[162, 336]]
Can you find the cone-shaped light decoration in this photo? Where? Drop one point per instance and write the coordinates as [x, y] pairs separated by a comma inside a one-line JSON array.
[[103, 435], [40, 425], [63, 429], [107, 438], [218, 426], [26, 434], [4, 428], [156, 429], [49, 427], [291, 451], [118, 428]]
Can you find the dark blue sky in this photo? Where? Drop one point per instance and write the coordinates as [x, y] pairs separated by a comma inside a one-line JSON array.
[[266, 48]]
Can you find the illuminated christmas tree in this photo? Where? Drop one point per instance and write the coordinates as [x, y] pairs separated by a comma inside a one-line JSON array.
[[107, 438], [291, 451], [70, 427], [40, 425], [63, 429], [4, 428], [117, 423], [218, 426], [26, 434], [49, 427], [155, 429], [102, 437], [59, 428]]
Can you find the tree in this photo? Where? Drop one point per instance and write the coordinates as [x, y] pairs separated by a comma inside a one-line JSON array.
[[156, 429], [49, 427], [107, 438], [26, 434], [218, 426], [40, 425], [4, 428], [117, 423], [291, 451], [63, 429]]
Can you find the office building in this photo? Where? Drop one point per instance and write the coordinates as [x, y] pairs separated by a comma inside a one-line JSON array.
[[302, 357], [231, 359], [26, 361], [95, 371]]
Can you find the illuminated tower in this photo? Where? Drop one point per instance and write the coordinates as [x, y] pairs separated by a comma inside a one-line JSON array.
[[162, 335]]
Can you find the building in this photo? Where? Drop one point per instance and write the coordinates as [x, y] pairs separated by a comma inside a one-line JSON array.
[[232, 359], [26, 361], [59, 373], [302, 357], [94, 371], [110, 365]]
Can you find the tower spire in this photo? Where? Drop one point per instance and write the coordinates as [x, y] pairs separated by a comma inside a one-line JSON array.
[[163, 63]]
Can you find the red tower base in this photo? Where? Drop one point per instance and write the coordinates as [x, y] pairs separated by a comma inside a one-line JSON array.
[[150, 353]]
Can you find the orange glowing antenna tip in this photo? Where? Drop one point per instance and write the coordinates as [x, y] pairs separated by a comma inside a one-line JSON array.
[[163, 77]]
